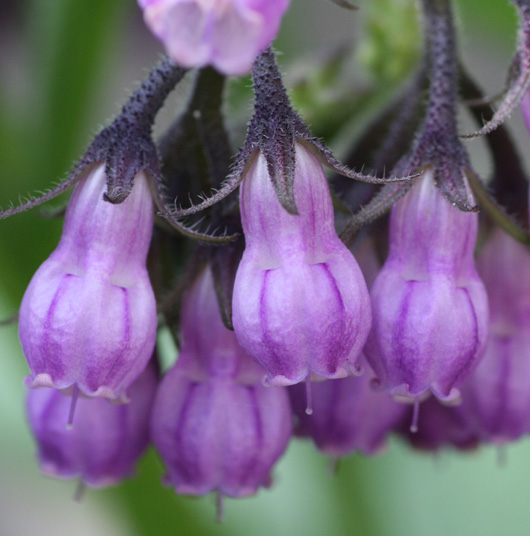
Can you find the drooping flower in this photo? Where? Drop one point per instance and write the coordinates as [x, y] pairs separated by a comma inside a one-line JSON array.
[[214, 423], [496, 397], [106, 440], [300, 303], [227, 34], [439, 427], [88, 317], [430, 306], [347, 415]]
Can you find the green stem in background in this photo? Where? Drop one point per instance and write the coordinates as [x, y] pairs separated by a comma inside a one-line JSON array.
[[72, 53], [70, 49]]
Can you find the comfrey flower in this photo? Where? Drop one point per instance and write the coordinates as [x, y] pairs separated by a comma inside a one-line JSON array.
[[496, 397], [214, 423], [88, 317], [227, 34], [106, 441], [300, 302], [347, 415], [440, 427], [429, 304]]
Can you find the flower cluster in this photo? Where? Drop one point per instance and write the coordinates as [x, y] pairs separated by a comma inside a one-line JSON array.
[[281, 323]]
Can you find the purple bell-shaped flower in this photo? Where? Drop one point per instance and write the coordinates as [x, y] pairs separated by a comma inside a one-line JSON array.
[[430, 306], [227, 34], [347, 415], [300, 302], [496, 397], [438, 427], [88, 317], [214, 423], [106, 439]]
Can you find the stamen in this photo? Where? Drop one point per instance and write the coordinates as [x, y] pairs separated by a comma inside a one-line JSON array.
[[73, 403], [219, 506], [334, 466], [80, 490], [502, 458], [415, 416], [308, 396]]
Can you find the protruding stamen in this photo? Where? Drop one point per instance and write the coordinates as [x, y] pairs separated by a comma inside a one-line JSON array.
[[502, 458], [80, 490], [415, 416], [73, 403], [308, 396], [334, 466], [219, 506]]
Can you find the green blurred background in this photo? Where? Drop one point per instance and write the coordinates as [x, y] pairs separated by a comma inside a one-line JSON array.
[[65, 68]]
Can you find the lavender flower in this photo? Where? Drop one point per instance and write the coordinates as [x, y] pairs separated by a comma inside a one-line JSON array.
[[106, 441], [88, 317], [439, 427], [430, 306], [497, 394], [348, 415], [300, 303], [227, 34], [215, 425]]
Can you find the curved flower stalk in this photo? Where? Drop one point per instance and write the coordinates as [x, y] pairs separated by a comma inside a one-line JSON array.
[[519, 75], [106, 441], [496, 397], [88, 317], [227, 34], [348, 415], [215, 425]]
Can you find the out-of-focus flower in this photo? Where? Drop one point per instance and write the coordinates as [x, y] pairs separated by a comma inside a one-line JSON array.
[[215, 425], [430, 306], [300, 302], [496, 397], [227, 34], [88, 317], [347, 415], [106, 441], [439, 427]]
